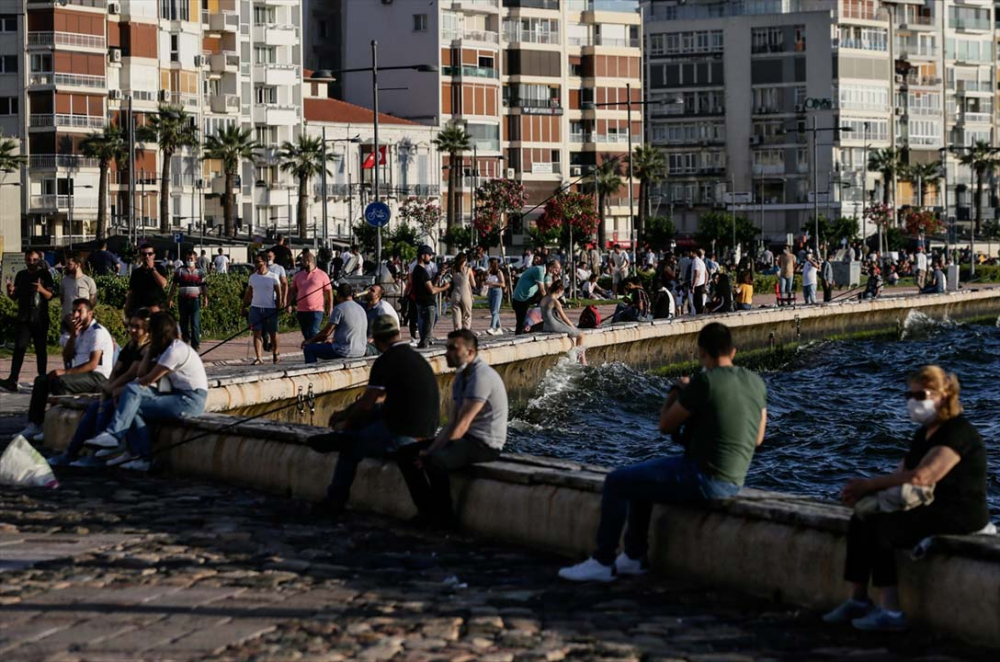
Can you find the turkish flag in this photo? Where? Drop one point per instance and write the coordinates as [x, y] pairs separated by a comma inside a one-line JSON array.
[[370, 160]]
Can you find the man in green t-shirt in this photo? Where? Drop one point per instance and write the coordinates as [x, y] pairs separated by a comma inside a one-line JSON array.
[[719, 416], [530, 284]]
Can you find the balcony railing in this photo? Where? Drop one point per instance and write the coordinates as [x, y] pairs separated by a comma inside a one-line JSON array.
[[908, 49], [77, 121], [532, 4], [476, 72], [181, 99], [62, 202], [99, 4], [615, 42], [579, 41], [629, 6], [473, 35], [67, 80], [909, 18], [608, 138], [484, 4], [531, 37], [924, 81], [66, 39], [969, 24], [68, 161], [534, 103]]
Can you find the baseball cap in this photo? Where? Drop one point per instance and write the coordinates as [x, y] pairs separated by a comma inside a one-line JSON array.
[[384, 325], [425, 250]]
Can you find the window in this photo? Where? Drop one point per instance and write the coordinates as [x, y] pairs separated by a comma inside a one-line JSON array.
[[41, 62], [767, 40], [175, 48], [486, 61], [267, 136], [265, 54], [681, 43], [8, 23], [266, 94], [8, 105], [8, 64], [263, 15], [420, 22], [865, 39], [323, 29], [175, 10], [656, 44], [864, 97]]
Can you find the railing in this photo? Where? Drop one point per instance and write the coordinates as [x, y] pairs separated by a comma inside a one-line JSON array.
[[68, 80], [79, 121], [473, 35], [61, 201], [578, 137], [181, 99], [615, 42], [962, 86], [923, 110], [141, 95], [535, 103], [860, 44], [532, 4], [629, 6], [71, 161], [910, 18], [494, 4], [925, 81], [477, 72], [100, 4], [908, 50], [608, 138], [579, 41], [487, 144], [969, 24], [975, 118], [66, 39], [531, 37]]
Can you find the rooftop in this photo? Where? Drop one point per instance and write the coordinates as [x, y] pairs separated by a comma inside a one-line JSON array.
[[341, 112]]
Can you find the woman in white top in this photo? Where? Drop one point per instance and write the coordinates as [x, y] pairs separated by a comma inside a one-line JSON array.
[[495, 287], [171, 384], [461, 293]]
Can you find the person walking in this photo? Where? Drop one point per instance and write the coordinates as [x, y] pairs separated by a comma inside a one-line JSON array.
[[204, 262], [88, 352], [261, 303], [554, 318], [32, 288], [147, 284], [531, 284], [312, 294], [282, 254], [345, 336], [619, 267], [102, 262], [496, 285], [221, 263], [786, 275], [192, 296], [699, 281], [826, 275], [720, 415], [462, 278], [424, 294], [810, 268]]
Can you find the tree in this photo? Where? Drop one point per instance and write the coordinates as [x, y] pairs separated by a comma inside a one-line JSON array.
[[888, 163], [568, 208], [607, 182], [921, 222], [983, 160], [660, 232], [106, 146], [454, 141], [458, 238], [923, 174], [10, 160], [304, 159], [649, 167], [717, 228], [171, 129], [832, 231], [424, 214], [496, 201], [230, 146], [400, 240], [543, 237]]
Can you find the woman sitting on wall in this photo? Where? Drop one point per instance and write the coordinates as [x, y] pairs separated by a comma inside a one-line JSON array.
[[946, 454]]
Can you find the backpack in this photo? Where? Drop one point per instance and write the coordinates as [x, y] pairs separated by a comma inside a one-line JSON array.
[[590, 318]]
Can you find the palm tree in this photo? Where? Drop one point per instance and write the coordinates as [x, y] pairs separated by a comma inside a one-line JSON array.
[[923, 174], [106, 145], [171, 129], [607, 182], [453, 140], [983, 160], [649, 166], [10, 160], [230, 145], [304, 159], [888, 163]]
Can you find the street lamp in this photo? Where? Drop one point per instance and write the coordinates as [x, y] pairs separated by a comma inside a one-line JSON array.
[[628, 103], [374, 69], [355, 139], [815, 168]]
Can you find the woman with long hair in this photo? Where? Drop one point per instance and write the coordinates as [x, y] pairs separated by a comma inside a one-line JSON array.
[[171, 384], [947, 455], [496, 285], [554, 318], [462, 278]]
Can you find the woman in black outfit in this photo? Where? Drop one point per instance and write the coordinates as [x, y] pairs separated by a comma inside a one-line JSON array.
[[946, 452]]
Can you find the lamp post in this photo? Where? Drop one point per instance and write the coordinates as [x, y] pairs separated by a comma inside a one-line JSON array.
[[815, 169], [355, 139], [373, 70], [864, 189]]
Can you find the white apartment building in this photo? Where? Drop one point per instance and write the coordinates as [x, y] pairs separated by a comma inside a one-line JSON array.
[[222, 61], [11, 99], [411, 165], [754, 76], [518, 75]]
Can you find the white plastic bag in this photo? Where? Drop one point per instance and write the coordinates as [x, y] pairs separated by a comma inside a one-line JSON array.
[[21, 465]]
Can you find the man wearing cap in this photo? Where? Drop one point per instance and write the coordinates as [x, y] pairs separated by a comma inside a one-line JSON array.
[[400, 407], [424, 291], [349, 327], [531, 286]]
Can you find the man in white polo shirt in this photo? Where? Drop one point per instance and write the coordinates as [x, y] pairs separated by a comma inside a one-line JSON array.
[[88, 354]]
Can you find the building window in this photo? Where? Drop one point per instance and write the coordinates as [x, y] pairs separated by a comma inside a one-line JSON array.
[[8, 105], [8, 23], [263, 15], [175, 48], [41, 62], [322, 29], [8, 64], [267, 94], [420, 22], [175, 10]]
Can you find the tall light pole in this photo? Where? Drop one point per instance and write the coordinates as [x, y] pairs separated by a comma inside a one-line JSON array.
[[864, 189], [944, 200], [355, 139], [815, 169]]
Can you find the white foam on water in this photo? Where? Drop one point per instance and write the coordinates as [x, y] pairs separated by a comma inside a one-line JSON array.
[[918, 325]]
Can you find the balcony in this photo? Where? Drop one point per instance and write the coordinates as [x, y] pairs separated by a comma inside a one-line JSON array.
[[970, 24], [579, 41], [276, 34], [609, 138], [225, 62], [224, 21], [482, 36], [909, 51], [475, 72], [626, 6], [468, 6], [332, 190], [276, 74], [67, 80], [62, 161], [276, 114], [273, 195], [97, 4], [921, 81], [615, 42], [57, 202], [70, 121], [71, 39], [532, 4], [531, 37], [537, 106], [182, 99], [964, 86], [911, 21]]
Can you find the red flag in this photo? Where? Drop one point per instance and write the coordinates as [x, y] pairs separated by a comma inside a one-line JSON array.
[[370, 159]]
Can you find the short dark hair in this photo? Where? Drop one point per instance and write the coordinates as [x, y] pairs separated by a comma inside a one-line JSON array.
[[103, 244], [144, 245], [83, 301], [30, 251], [71, 255], [716, 340], [466, 336], [344, 290]]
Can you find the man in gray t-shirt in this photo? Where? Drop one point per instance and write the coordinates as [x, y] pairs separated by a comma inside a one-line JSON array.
[[476, 432], [349, 327]]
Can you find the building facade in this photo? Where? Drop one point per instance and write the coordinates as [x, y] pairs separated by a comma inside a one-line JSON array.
[[518, 75], [87, 61], [760, 87]]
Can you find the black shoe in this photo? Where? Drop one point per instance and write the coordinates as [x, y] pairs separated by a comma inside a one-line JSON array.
[[328, 442], [8, 385]]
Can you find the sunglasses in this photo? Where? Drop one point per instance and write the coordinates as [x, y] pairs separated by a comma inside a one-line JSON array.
[[917, 395], [148, 254]]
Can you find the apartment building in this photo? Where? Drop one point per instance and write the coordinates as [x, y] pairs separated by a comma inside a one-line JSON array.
[[222, 61], [746, 82], [409, 165], [518, 75], [11, 121]]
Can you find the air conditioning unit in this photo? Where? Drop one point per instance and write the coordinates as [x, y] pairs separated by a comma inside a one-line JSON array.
[[900, 111], [900, 78], [164, 95], [114, 8], [510, 173], [200, 60], [756, 140], [800, 108], [115, 55], [575, 171], [114, 94]]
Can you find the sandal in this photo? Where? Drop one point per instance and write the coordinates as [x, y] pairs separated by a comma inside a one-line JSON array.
[[276, 358], [256, 362]]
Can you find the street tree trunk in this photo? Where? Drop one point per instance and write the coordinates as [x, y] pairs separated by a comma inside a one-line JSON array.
[[102, 201], [303, 207], [602, 233], [165, 194], [227, 205], [640, 224], [980, 175]]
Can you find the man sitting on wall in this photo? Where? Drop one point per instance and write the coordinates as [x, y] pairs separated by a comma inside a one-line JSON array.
[[718, 416]]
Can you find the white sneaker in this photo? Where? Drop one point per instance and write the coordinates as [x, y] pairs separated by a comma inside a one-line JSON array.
[[590, 570], [137, 465], [31, 431], [121, 459], [108, 452], [628, 566], [103, 440], [498, 331], [491, 332]]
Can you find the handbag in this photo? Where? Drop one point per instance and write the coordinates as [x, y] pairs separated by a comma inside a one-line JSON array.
[[895, 499]]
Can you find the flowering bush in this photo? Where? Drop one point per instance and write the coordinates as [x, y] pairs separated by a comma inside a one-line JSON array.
[[919, 222], [495, 200], [424, 214], [569, 208], [880, 214]]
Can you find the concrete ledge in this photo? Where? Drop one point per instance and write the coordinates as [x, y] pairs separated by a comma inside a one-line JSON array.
[[781, 546]]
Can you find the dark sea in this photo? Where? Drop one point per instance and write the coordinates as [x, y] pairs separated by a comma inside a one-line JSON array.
[[835, 409]]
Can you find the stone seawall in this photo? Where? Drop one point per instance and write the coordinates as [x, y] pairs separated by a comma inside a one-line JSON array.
[[785, 547]]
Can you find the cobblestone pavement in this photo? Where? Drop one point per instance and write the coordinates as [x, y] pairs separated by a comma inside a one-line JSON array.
[[133, 568]]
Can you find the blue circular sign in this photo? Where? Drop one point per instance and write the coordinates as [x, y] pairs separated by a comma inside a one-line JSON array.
[[377, 214]]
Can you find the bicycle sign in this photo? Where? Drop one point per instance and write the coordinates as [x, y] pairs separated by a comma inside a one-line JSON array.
[[377, 214]]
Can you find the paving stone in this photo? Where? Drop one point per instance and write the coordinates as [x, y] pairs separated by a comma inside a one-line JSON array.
[[214, 639]]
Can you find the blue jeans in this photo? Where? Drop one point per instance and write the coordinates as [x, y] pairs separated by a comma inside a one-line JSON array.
[[374, 441], [630, 492], [809, 293], [743, 306], [138, 403], [495, 298], [189, 310], [786, 286], [426, 316], [94, 421], [322, 350], [309, 322]]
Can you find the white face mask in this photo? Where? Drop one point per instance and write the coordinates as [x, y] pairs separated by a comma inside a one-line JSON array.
[[921, 411], [190, 264]]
